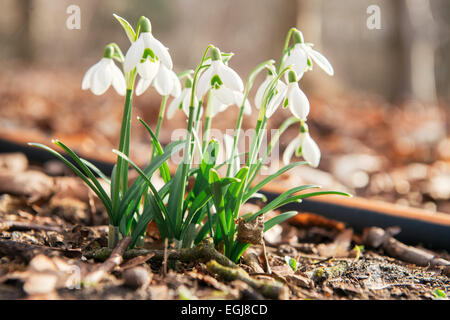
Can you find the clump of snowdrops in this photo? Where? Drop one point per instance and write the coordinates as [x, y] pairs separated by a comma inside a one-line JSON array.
[[211, 206]]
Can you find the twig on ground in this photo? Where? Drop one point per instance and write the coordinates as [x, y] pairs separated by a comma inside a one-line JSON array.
[[29, 251], [9, 225], [267, 289], [204, 251], [114, 260], [250, 258], [377, 237], [164, 264]]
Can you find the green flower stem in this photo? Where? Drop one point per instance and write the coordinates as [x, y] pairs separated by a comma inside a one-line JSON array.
[[287, 123], [208, 120], [121, 173], [162, 110], [285, 48], [249, 84]]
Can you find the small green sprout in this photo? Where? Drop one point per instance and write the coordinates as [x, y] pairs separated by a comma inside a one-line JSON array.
[[291, 262]]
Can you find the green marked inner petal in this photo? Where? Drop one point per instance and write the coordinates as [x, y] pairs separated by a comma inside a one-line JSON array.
[[216, 82]]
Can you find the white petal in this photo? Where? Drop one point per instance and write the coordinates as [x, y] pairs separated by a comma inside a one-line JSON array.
[[163, 81], [276, 100], [228, 141], [298, 59], [118, 80], [238, 97], [290, 149], [134, 55], [321, 61], [229, 77], [225, 95], [102, 77], [260, 92], [148, 69], [175, 104], [215, 104], [176, 88], [204, 82], [142, 85], [298, 102], [158, 48], [87, 79], [310, 151]]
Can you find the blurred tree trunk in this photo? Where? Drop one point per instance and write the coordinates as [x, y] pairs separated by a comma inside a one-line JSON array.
[[24, 36], [417, 44]]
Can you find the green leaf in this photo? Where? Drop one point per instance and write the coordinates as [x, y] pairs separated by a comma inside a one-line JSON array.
[[278, 200], [158, 199], [96, 170], [106, 201], [291, 262], [127, 27], [138, 184], [270, 178], [439, 294], [165, 172], [279, 219]]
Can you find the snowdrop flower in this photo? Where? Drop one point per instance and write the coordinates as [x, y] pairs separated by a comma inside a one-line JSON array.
[[276, 100], [296, 100], [218, 106], [303, 145], [219, 77], [166, 82], [147, 53], [302, 52], [103, 74], [182, 101]]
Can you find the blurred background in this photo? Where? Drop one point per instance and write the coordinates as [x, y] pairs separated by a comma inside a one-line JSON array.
[[381, 121]]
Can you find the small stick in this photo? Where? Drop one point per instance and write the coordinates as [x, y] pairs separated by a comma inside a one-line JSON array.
[[164, 264], [266, 260], [377, 237], [25, 226], [113, 261], [204, 251], [29, 251], [267, 289]]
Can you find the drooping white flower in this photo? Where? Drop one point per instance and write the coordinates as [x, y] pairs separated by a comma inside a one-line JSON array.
[[217, 106], [183, 101], [277, 98], [221, 79], [303, 145], [147, 53], [296, 100], [102, 75], [298, 57], [166, 82]]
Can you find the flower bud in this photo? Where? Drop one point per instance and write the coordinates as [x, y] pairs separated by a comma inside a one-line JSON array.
[[298, 37], [145, 24], [215, 54], [109, 51]]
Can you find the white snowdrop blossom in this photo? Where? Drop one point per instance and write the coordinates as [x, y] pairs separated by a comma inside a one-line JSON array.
[[147, 54], [303, 145], [221, 79], [166, 82], [102, 75], [298, 57], [296, 100], [218, 106], [183, 101], [277, 98]]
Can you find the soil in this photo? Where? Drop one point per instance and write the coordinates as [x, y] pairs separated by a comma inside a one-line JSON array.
[[43, 243]]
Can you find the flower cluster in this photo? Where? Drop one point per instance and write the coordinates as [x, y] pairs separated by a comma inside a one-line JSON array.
[[186, 213]]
